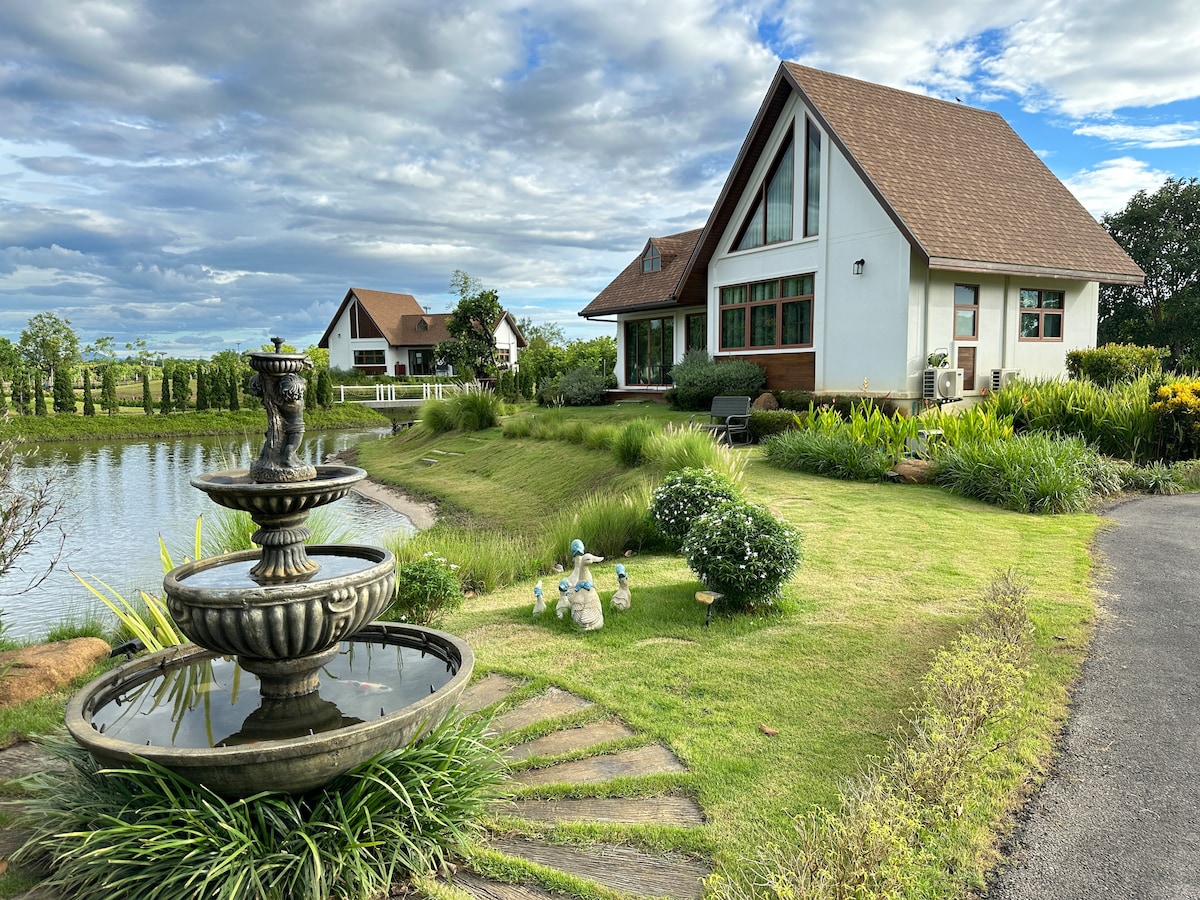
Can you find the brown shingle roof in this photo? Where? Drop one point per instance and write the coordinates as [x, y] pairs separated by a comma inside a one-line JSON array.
[[968, 191], [634, 289], [384, 307]]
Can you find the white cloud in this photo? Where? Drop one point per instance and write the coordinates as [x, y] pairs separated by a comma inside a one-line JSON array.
[[1174, 134], [1107, 187]]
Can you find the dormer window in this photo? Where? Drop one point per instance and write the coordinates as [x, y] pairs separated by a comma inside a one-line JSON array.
[[422, 325], [651, 261]]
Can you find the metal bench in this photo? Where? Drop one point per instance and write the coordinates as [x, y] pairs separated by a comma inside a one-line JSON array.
[[728, 419]]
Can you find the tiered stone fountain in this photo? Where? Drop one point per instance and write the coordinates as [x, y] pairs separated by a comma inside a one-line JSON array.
[[241, 710]]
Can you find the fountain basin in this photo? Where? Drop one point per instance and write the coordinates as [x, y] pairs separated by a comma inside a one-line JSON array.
[[283, 632], [236, 489], [293, 764]]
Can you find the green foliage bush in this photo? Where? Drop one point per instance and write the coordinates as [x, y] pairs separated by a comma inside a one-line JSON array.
[[743, 552], [1176, 416], [834, 454], [681, 498], [149, 834], [698, 379], [1036, 473], [680, 447], [580, 386], [766, 422], [486, 560], [1114, 363], [607, 523], [426, 589], [1117, 421], [474, 408]]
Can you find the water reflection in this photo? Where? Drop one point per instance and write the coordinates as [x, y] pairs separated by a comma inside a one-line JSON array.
[[120, 496]]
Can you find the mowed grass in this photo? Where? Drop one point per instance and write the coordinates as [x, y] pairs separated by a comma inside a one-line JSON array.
[[891, 573]]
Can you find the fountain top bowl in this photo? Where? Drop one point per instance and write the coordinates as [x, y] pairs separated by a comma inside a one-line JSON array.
[[237, 489]]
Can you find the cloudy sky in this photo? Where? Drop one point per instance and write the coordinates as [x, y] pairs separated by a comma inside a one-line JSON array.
[[205, 173]]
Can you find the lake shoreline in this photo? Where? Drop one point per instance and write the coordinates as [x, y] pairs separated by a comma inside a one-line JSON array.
[[422, 514]]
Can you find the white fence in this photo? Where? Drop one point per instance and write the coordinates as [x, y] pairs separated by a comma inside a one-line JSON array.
[[408, 392]]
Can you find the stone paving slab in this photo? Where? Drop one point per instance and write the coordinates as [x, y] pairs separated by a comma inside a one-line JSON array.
[[486, 691], [485, 889], [568, 740], [550, 705], [652, 760], [624, 869], [683, 812], [25, 758]]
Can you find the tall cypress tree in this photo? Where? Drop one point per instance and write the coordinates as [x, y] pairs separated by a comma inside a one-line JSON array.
[[108, 391], [181, 386], [147, 400], [64, 391], [164, 405], [39, 394], [20, 391], [324, 389], [89, 405], [201, 387], [233, 391]]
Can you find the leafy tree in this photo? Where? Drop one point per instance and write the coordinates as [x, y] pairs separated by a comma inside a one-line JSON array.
[[11, 361], [544, 354], [1161, 232], [147, 400], [318, 355], [598, 353], [20, 391], [233, 371], [3, 398], [64, 389], [108, 391], [89, 405], [48, 343], [472, 323]]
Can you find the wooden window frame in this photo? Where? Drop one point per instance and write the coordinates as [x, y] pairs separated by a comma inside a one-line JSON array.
[[417, 356], [688, 322], [758, 208], [749, 305], [634, 360], [651, 260], [973, 307], [1042, 312], [362, 362], [812, 179]]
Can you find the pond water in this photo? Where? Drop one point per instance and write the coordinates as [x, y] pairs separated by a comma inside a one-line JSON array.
[[121, 496]]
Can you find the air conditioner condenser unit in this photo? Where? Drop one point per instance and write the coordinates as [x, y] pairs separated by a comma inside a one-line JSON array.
[[1002, 377], [942, 384]]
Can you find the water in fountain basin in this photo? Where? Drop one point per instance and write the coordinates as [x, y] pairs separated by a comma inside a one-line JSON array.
[[215, 702]]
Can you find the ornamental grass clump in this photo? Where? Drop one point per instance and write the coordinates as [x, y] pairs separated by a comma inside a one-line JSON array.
[[145, 833], [683, 496], [742, 551]]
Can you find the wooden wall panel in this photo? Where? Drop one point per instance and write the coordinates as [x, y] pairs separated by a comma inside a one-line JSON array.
[[787, 371], [966, 362]]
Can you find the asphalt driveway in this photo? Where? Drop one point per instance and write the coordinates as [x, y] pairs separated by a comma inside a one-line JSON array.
[[1120, 815]]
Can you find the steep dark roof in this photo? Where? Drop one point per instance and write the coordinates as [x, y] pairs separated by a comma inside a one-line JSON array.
[[634, 289], [387, 309], [958, 182]]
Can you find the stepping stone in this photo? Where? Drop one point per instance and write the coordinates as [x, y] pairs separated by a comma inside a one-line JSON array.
[[683, 812], [569, 740], [428, 461], [486, 889], [486, 691], [11, 840], [550, 705], [623, 869], [653, 760], [24, 758]]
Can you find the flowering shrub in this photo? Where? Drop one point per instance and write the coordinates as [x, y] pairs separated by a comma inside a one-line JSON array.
[[742, 551], [685, 494], [1176, 411], [426, 588]]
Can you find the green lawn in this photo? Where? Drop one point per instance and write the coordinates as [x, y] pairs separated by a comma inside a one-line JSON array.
[[891, 572]]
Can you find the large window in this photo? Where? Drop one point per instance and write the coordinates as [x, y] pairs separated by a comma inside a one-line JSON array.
[[812, 180], [775, 313], [697, 331], [651, 260], [420, 362], [649, 350], [770, 220], [368, 358], [1041, 315], [966, 312]]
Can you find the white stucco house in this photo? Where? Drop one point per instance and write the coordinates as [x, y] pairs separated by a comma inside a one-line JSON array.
[[384, 333], [862, 229]]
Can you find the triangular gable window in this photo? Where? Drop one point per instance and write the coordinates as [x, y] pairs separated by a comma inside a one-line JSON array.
[[770, 220], [422, 325], [651, 260]]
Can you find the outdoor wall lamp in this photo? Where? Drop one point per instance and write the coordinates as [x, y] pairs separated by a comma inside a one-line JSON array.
[[859, 264]]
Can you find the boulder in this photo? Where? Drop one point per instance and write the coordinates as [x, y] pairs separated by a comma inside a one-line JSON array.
[[33, 671], [913, 471], [765, 400]]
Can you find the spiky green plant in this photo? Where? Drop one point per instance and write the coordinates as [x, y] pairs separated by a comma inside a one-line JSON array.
[[145, 833], [680, 447]]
